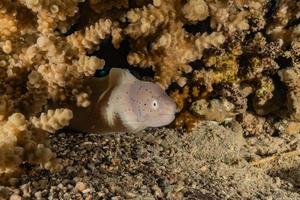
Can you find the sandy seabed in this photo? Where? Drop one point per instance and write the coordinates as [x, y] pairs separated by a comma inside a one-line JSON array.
[[212, 162]]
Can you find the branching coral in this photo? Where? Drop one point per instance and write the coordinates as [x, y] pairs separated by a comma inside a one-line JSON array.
[[195, 10], [235, 50], [18, 143], [51, 13], [91, 36], [165, 46], [220, 69], [262, 101], [40, 66], [286, 13], [235, 15], [53, 120], [215, 110]]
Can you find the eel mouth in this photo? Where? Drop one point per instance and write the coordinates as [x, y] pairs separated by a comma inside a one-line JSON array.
[[164, 120]]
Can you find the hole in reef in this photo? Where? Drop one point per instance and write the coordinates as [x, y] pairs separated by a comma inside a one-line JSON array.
[[271, 9], [284, 62], [244, 64], [138, 4], [118, 58], [200, 27], [114, 57], [197, 64], [173, 87], [84, 10], [293, 22]]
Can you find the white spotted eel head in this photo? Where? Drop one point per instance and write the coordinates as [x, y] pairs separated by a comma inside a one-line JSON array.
[[153, 107], [140, 104]]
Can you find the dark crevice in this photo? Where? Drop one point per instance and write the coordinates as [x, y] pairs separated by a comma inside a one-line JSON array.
[[117, 58], [271, 9], [200, 27], [84, 10], [293, 22], [136, 4], [284, 62]]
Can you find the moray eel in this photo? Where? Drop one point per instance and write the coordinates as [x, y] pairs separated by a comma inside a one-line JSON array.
[[122, 103]]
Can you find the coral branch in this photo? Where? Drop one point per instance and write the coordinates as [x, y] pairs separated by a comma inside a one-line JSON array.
[[53, 120], [91, 36]]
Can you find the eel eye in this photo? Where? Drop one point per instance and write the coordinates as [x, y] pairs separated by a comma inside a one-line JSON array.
[[155, 104]]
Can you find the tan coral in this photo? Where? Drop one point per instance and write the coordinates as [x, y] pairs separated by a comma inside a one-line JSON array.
[[39, 66], [172, 48], [50, 13], [263, 101], [163, 55], [65, 67], [186, 121], [291, 77], [285, 12], [7, 47], [82, 98], [53, 120], [214, 110], [222, 18], [17, 144], [89, 64], [11, 156], [233, 17], [195, 10], [117, 35], [91, 37], [220, 69], [8, 25], [180, 98], [145, 21]]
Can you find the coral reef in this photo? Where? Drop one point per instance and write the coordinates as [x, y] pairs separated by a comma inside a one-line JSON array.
[[40, 65], [214, 110], [158, 37], [218, 59]]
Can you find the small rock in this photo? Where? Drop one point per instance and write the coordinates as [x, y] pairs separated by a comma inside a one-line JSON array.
[[67, 196], [88, 190], [130, 195], [38, 195], [15, 197], [157, 191], [91, 166], [80, 186], [26, 189], [269, 198], [101, 194]]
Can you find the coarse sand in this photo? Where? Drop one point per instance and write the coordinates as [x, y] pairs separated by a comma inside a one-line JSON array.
[[213, 162]]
